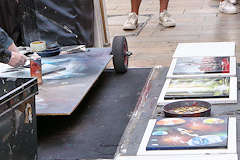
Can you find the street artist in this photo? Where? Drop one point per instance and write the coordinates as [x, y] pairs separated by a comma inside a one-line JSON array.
[[9, 53]]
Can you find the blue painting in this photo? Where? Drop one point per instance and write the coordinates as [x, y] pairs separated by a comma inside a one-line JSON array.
[[189, 133]]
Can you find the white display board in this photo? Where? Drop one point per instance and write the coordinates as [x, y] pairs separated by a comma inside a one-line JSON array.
[[220, 49], [182, 157], [232, 72], [231, 99], [231, 148]]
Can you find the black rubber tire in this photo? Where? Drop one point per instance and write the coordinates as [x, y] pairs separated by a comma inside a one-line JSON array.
[[119, 52]]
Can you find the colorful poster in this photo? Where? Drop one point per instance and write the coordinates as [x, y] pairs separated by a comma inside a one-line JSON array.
[[202, 65], [198, 88], [189, 133]]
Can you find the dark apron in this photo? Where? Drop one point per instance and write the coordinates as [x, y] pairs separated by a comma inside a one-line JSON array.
[[69, 22], [10, 19]]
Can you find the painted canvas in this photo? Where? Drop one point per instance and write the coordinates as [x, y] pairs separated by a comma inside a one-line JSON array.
[[189, 133], [202, 65], [198, 88]]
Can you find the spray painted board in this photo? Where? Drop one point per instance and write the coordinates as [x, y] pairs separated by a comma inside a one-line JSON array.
[[181, 157], [212, 49], [63, 90], [7, 71], [189, 136], [214, 90], [189, 133], [183, 67]]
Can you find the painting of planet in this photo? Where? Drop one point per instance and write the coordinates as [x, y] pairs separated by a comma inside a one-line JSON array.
[[189, 133]]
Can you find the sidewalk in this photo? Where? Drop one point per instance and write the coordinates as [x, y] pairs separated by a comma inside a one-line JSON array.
[[152, 44]]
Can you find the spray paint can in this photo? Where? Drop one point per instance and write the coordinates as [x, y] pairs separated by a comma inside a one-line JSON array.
[[36, 67]]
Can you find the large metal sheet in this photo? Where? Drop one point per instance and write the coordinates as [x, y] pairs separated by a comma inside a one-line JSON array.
[[62, 91]]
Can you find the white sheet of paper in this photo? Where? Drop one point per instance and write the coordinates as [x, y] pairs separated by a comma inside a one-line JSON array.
[[215, 49]]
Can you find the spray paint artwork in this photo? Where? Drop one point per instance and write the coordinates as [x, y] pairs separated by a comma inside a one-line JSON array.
[[202, 65], [189, 133], [198, 88]]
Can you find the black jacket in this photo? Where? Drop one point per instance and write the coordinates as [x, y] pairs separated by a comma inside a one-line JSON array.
[[5, 42]]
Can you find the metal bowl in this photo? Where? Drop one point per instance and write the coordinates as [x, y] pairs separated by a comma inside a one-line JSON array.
[[49, 53], [52, 45], [169, 109]]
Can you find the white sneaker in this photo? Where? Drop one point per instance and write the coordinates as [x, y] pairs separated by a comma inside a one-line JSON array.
[[227, 7], [233, 1], [132, 22], [166, 20]]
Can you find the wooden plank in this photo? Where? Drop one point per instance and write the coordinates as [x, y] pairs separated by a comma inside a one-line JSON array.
[[103, 14]]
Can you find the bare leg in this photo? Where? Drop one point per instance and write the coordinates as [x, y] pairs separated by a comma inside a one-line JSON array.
[[135, 5], [163, 5]]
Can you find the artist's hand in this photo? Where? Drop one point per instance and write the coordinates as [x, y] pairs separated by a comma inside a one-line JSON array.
[[17, 59], [13, 48]]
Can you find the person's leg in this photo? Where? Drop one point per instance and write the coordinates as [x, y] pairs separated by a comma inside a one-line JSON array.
[[132, 21], [163, 5], [135, 6], [164, 17]]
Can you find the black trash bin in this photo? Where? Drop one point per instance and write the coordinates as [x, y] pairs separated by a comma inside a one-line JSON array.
[[18, 131]]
